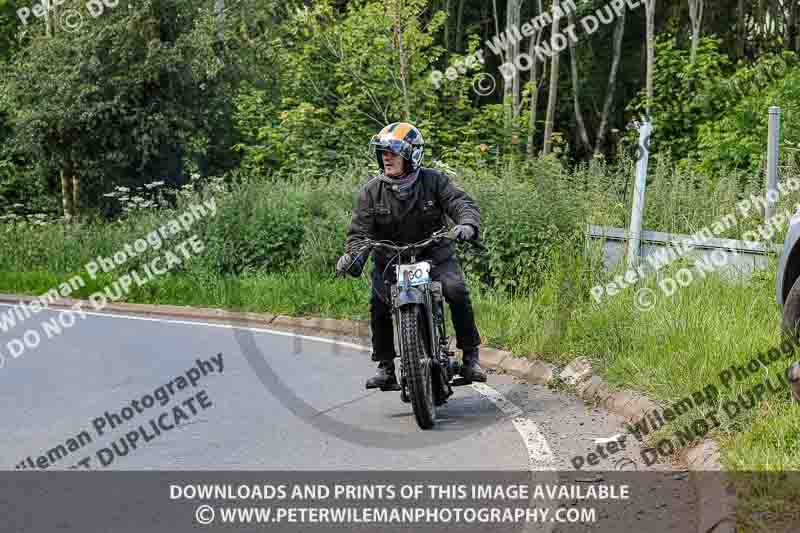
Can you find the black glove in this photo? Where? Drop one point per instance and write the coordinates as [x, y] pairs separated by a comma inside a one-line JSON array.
[[463, 232], [347, 264]]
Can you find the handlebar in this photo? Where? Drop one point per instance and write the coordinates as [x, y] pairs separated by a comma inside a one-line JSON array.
[[442, 234]]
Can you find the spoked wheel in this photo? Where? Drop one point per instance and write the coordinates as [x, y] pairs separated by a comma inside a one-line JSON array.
[[416, 363]]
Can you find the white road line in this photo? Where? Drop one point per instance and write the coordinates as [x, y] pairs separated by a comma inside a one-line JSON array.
[[606, 440], [213, 325], [540, 456], [539, 452]]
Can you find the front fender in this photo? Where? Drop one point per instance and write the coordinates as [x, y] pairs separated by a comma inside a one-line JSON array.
[[789, 266], [409, 296]]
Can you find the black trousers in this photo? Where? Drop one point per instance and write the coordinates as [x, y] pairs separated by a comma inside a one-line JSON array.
[[456, 294]]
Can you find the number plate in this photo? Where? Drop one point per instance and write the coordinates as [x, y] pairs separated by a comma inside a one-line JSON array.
[[417, 274]]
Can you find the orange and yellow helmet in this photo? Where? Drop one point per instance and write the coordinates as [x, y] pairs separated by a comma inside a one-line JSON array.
[[400, 138]]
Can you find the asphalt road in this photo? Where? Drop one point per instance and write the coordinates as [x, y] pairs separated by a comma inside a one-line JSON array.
[[276, 401]]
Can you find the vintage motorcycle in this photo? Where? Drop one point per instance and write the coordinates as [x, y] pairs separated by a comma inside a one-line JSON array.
[[427, 367]]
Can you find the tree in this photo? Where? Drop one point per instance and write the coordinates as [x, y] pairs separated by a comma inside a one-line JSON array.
[[460, 27], [132, 86], [696, 17], [399, 37], [650, 6], [338, 74], [553, 91], [583, 136], [219, 8], [619, 31], [740, 29], [512, 95], [534, 84]]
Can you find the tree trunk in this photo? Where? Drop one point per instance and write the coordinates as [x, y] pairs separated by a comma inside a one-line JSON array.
[[791, 27], [553, 90], [66, 196], [619, 32], [513, 21], [76, 195], [486, 32], [573, 61], [398, 33], [219, 7], [534, 86], [650, 6], [497, 27], [740, 28], [48, 21], [696, 16], [460, 27], [447, 25]]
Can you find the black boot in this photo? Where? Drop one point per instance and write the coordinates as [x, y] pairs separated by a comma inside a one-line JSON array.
[[385, 379], [470, 370]]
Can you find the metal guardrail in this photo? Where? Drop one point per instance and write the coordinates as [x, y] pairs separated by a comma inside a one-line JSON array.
[[665, 239], [743, 257]]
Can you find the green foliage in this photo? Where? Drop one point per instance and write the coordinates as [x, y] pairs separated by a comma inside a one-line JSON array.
[[19, 186], [276, 140], [131, 87], [9, 22], [329, 215], [341, 85], [478, 143], [737, 139], [712, 116], [525, 222], [679, 106], [255, 229]]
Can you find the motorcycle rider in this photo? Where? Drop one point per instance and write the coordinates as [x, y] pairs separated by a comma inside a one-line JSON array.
[[404, 204]]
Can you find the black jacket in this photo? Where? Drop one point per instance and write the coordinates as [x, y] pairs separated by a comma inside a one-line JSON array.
[[378, 214]]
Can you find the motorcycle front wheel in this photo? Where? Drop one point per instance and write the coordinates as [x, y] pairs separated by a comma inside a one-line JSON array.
[[417, 363]]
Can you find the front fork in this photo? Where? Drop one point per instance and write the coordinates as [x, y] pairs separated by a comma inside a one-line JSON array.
[[437, 316], [445, 360]]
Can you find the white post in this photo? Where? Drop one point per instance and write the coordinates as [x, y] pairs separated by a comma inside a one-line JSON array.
[[772, 160], [635, 232]]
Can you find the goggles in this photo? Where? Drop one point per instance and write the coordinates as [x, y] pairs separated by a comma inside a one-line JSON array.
[[396, 146]]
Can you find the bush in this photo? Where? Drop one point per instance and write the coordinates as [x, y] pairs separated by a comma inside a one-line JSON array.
[[258, 227], [524, 225], [329, 214]]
